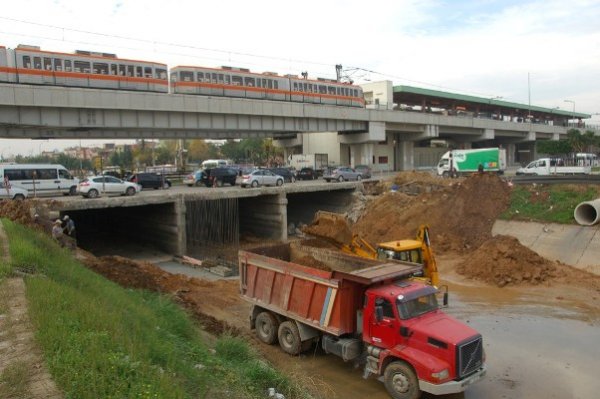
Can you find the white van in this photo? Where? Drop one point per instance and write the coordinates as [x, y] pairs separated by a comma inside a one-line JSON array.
[[40, 179], [215, 163]]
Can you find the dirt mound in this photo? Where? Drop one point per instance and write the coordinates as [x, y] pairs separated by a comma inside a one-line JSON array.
[[460, 216], [502, 260], [17, 211], [206, 299], [312, 262], [328, 225]]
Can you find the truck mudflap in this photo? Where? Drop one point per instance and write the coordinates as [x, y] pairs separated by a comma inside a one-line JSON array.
[[452, 386]]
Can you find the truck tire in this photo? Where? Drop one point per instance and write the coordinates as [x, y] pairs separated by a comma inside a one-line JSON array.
[[289, 338], [446, 174], [401, 382], [266, 328]]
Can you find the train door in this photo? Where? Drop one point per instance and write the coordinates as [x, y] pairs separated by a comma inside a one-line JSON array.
[[59, 71], [296, 91]]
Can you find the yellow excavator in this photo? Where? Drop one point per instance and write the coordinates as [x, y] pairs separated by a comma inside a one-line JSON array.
[[333, 228]]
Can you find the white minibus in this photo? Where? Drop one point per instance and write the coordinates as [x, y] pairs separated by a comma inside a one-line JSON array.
[[40, 179], [215, 163]]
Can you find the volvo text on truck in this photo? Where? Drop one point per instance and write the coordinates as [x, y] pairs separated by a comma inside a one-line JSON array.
[[365, 311]]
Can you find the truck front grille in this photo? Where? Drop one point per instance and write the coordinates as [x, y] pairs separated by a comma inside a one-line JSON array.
[[469, 357]]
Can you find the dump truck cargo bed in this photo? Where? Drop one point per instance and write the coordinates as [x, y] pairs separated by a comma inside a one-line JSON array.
[[319, 287]]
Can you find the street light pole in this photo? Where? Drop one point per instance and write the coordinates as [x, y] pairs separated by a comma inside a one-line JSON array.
[[571, 101]]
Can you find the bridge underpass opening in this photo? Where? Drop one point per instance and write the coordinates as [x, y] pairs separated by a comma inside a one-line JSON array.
[[212, 228], [127, 231], [302, 207]]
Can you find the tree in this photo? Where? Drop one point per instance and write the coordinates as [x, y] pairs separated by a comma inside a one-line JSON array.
[[553, 147]]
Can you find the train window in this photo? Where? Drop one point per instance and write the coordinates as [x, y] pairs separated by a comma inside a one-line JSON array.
[[355, 93], [26, 61], [227, 81], [264, 83], [322, 89], [57, 64], [221, 78], [81, 66], [37, 62], [138, 72], [249, 82], [275, 84], [67, 65], [200, 76], [48, 64], [270, 84], [295, 86], [130, 70], [186, 76], [236, 80], [258, 84], [100, 68], [122, 70], [305, 86], [332, 90], [161, 74], [173, 77], [113, 69], [214, 78], [148, 72]]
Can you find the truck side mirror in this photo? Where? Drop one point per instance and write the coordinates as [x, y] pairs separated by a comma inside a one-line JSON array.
[[378, 313], [405, 331]]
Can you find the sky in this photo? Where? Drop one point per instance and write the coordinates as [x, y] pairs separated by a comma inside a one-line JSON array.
[[544, 50]]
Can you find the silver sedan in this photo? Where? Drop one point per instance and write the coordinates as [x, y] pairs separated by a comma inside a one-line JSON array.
[[342, 174], [260, 177]]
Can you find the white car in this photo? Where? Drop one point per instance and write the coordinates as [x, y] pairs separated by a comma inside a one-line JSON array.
[[92, 187], [259, 177], [15, 193]]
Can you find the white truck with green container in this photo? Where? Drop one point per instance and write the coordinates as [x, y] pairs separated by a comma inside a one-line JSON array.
[[460, 162]]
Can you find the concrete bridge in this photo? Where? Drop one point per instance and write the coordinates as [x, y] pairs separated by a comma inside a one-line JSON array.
[[175, 222]]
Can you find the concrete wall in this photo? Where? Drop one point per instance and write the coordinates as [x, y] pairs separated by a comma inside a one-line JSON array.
[[264, 217], [322, 143], [379, 95]]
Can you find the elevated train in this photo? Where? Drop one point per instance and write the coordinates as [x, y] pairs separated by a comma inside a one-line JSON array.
[[31, 65]]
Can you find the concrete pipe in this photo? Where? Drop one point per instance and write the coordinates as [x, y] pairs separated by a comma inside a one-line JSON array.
[[588, 213]]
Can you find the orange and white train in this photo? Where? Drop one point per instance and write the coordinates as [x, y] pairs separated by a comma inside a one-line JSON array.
[[31, 65]]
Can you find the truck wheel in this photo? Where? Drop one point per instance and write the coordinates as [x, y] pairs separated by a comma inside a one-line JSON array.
[[266, 328], [401, 382], [289, 338], [445, 174]]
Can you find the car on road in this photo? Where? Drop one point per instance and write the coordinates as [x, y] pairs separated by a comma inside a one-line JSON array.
[[15, 193], [287, 174], [343, 173], [194, 178], [261, 177], [219, 177], [92, 187], [150, 180], [364, 171], [307, 174]]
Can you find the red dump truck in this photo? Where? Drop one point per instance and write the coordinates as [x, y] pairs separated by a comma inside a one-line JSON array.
[[365, 311]]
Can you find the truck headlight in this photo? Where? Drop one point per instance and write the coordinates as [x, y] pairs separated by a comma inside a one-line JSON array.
[[440, 375]]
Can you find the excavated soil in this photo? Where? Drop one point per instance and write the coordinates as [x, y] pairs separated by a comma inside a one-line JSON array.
[[460, 215]]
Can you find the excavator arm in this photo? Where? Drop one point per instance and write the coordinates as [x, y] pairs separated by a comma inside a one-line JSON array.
[[429, 263]]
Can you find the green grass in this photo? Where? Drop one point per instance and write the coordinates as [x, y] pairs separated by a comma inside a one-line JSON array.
[[548, 204], [102, 341]]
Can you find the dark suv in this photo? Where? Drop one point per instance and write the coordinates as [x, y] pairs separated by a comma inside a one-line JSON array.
[[307, 174], [150, 180], [286, 173], [219, 176]]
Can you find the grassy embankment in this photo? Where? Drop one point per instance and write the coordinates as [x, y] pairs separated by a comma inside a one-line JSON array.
[[553, 203], [102, 341]]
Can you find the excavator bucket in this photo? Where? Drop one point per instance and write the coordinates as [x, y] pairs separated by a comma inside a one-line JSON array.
[[330, 226]]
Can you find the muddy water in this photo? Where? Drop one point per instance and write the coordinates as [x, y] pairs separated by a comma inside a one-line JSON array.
[[540, 343]]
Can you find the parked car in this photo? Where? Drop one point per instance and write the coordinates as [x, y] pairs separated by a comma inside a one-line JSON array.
[[260, 177], [364, 171], [307, 174], [15, 193], [342, 174], [287, 174], [219, 176], [194, 179], [92, 187], [150, 180]]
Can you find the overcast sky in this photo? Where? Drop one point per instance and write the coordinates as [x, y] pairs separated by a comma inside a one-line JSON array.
[[485, 48]]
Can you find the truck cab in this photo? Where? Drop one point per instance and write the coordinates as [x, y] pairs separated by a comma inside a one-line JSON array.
[[409, 338]]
